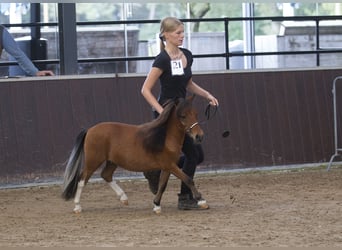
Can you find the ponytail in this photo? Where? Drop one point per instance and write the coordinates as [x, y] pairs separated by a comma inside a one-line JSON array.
[[161, 43]]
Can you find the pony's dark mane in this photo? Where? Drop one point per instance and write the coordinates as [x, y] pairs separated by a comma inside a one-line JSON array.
[[154, 132]]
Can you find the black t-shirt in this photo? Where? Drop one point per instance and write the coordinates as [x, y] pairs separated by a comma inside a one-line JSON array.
[[172, 86]]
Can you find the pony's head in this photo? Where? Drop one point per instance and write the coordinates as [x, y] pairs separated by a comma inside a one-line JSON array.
[[154, 133], [187, 115]]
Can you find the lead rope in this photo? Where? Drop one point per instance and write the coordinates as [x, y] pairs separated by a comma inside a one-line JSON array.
[[208, 116], [207, 111]]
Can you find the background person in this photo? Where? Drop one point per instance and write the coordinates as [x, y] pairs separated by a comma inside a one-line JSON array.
[[8, 43], [172, 67]]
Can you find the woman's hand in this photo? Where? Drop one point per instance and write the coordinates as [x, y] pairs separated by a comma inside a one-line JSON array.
[[212, 100], [45, 73]]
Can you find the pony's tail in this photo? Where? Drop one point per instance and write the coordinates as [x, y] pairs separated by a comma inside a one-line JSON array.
[[73, 168]]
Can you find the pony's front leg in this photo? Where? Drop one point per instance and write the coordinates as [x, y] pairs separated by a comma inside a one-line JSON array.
[[164, 178], [190, 183], [80, 185], [119, 192]]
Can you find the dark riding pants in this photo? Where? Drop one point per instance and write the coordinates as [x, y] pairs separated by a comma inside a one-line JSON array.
[[193, 155]]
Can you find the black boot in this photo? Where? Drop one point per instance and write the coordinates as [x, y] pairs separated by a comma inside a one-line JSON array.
[[187, 202], [153, 180]]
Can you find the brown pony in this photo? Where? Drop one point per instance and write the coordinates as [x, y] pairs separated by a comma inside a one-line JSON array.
[[149, 146]]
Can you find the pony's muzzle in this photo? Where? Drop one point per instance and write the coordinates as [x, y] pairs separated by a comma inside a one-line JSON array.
[[199, 138], [195, 132]]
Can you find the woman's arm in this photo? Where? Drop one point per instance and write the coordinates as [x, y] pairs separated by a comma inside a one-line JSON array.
[[24, 62], [147, 87], [196, 89], [12, 48]]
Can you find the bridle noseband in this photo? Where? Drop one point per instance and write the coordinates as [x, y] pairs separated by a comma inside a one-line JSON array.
[[188, 130]]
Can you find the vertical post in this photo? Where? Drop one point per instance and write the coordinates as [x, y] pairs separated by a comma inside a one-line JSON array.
[[226, 38], [35, 18], [317, 44], [35, 32], [249, 34], [124, 17], [188, 25], [335, 124], [67, 38], [14, 15]]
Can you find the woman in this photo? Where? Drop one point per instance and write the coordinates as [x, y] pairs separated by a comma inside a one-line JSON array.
[[8, 43], [172, 67]]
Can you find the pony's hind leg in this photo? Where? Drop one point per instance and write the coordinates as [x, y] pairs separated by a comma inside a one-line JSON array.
[[107, 175], [80, 185], [77, 198], [85, 176]]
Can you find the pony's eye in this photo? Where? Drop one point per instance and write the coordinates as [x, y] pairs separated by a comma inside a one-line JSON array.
[[182, 116]]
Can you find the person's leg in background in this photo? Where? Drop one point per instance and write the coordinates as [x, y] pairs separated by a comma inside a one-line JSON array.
[[193, 155]]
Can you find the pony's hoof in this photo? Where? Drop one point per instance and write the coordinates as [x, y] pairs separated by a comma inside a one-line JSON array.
[[124, 199], [157, 209], [203, 204], [125, 202], [77, 209]]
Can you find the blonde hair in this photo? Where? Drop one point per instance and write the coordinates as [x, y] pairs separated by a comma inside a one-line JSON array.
[[168, 24]]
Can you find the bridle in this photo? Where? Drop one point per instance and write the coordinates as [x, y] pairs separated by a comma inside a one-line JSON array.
[[188, 130], [207, 116]]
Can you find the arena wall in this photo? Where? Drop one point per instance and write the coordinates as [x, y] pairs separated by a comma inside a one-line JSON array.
[[274, 117]]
